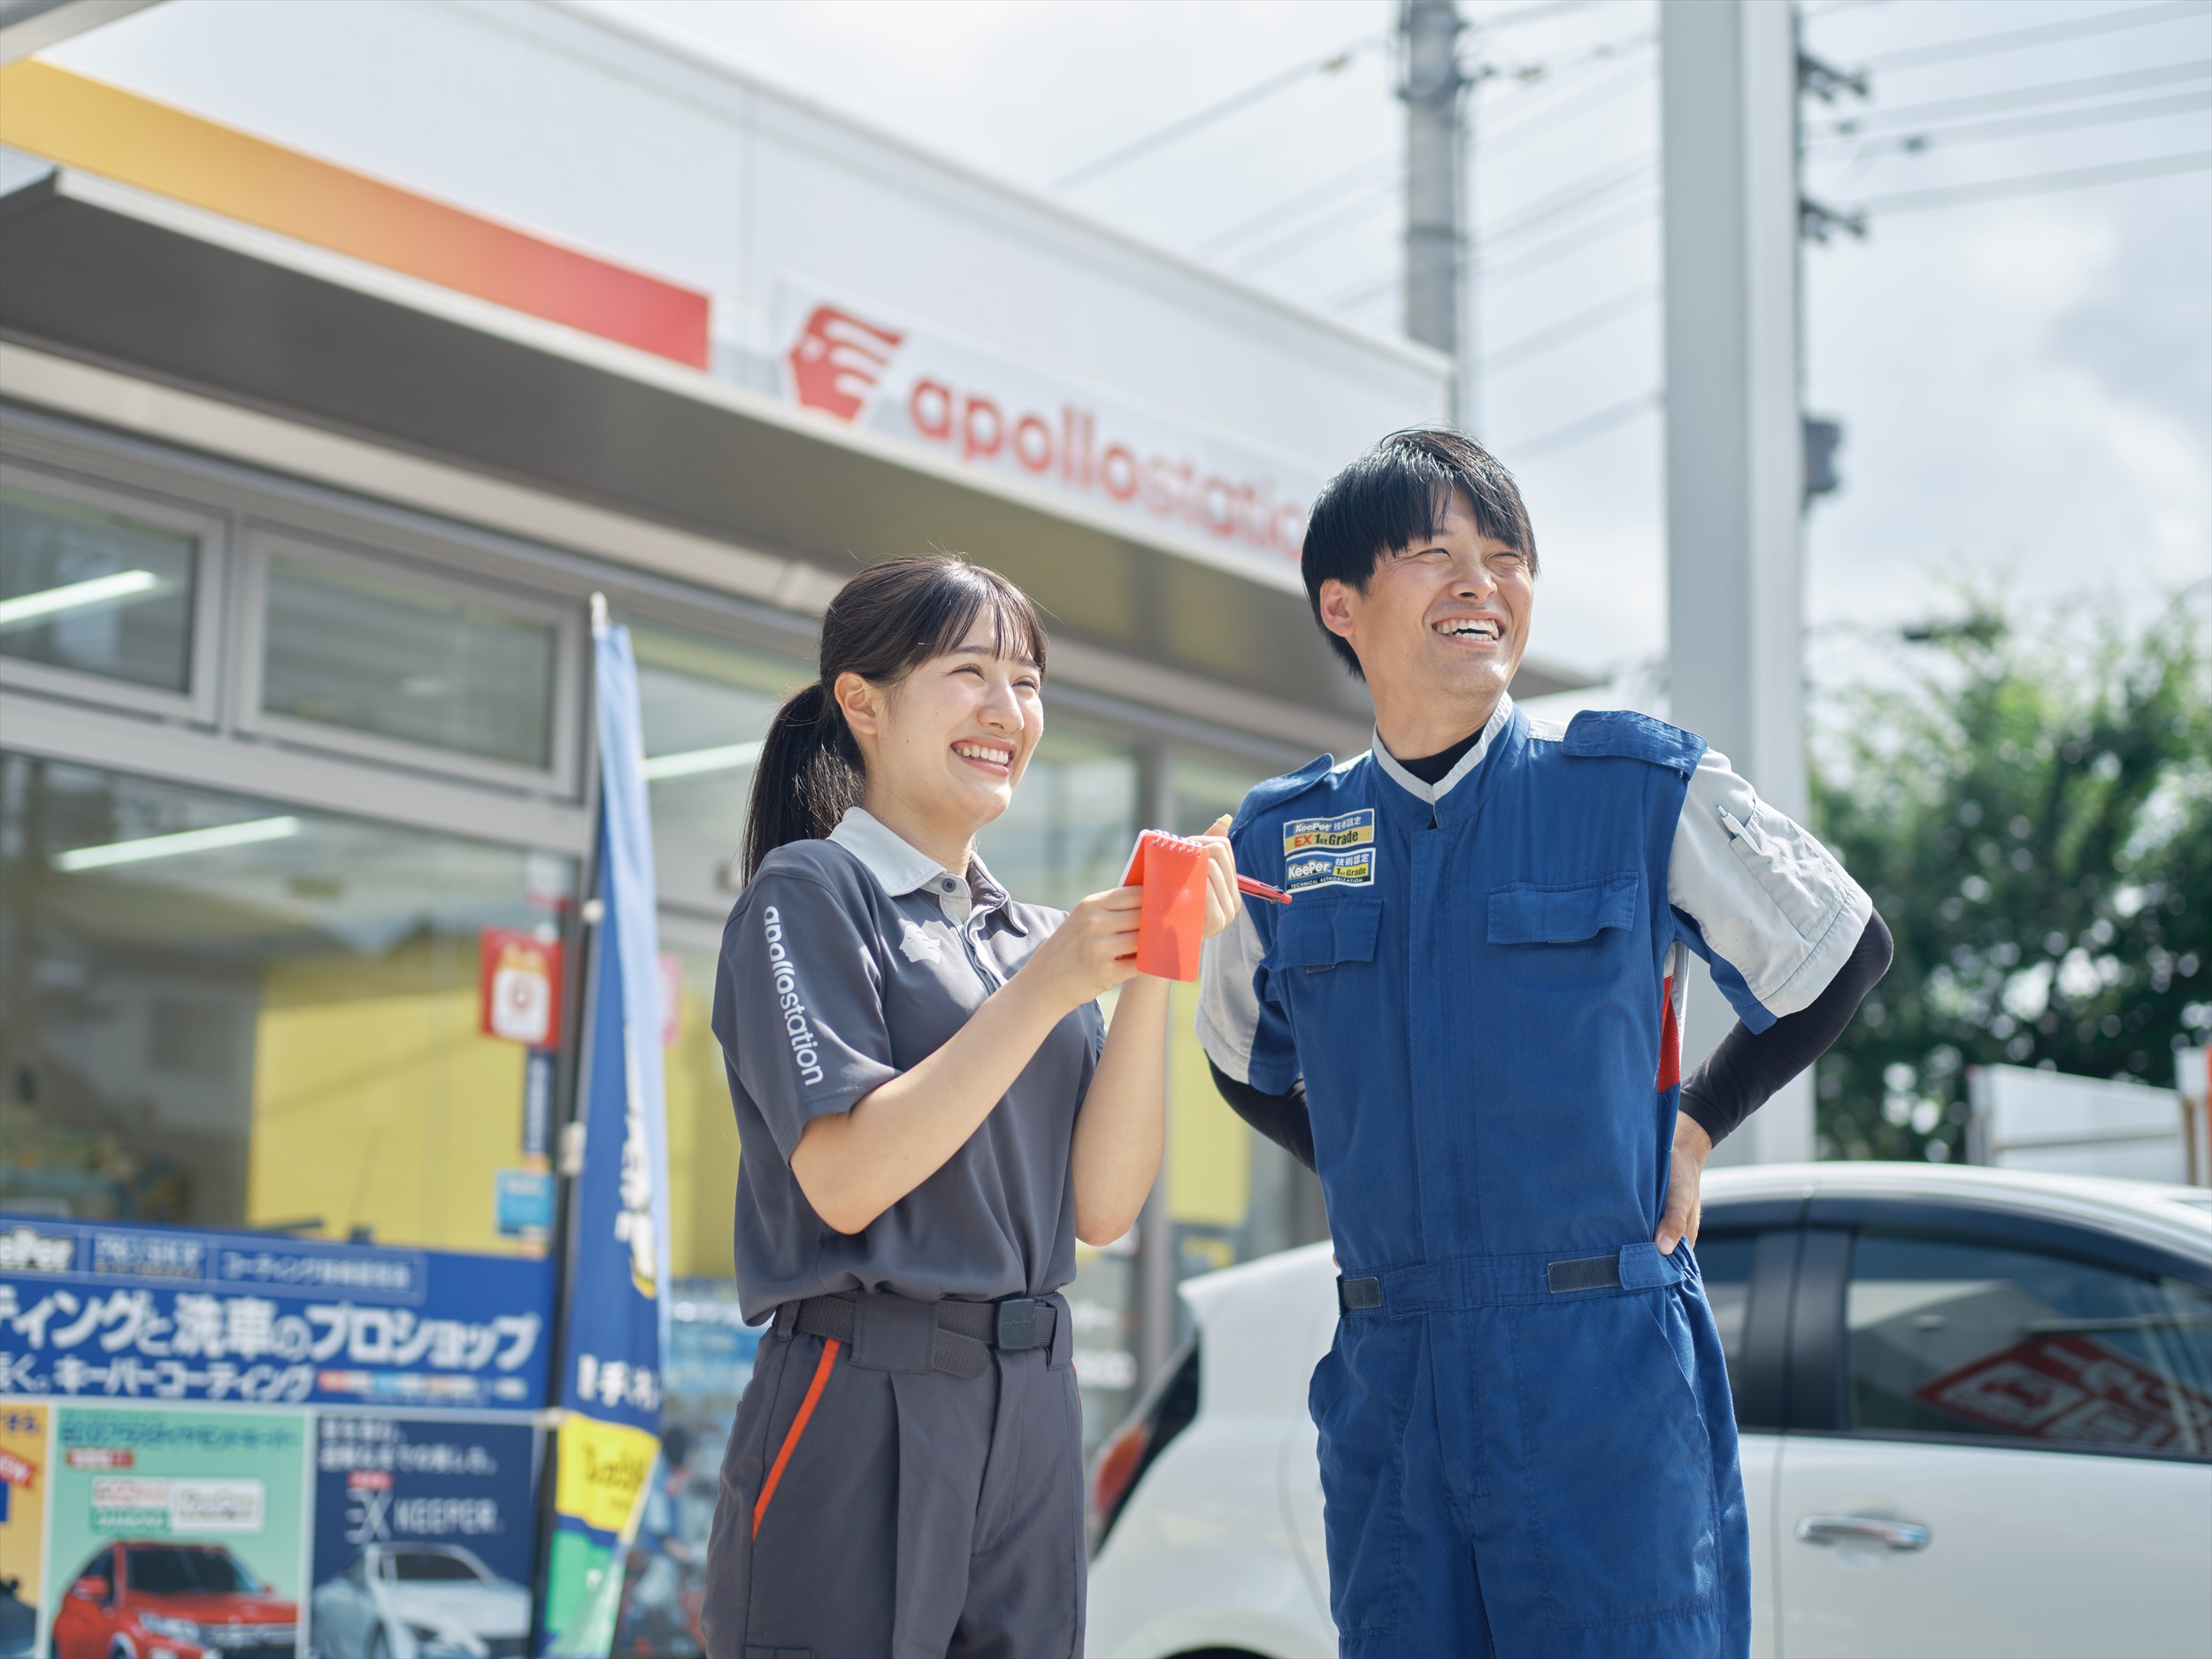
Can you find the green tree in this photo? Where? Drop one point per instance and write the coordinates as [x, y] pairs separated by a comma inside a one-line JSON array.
[[2032, 811]]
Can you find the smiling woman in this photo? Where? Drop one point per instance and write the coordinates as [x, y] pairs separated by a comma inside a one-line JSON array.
[[934, 1111]]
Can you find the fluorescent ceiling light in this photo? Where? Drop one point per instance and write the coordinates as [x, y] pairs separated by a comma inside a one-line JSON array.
[[690, 761], [200, 840], [100, 590]]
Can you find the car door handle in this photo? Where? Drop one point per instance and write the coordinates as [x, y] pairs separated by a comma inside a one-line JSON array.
[[1863, 1529]]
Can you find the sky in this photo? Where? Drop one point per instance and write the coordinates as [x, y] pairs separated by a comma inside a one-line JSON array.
[[2025, 384]]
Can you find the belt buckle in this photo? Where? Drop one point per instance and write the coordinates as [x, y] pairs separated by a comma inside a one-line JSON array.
[[1016, 1323]]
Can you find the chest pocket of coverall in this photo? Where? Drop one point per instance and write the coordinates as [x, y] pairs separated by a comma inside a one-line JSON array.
[[1314, 937], [1568, 937], [1528, 913]]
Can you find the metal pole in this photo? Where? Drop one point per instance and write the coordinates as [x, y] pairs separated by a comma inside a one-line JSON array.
[[584, 965], [1430, 86], [1734, 452]]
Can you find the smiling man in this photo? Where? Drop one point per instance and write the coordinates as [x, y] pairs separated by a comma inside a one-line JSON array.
[[1467, 1022]]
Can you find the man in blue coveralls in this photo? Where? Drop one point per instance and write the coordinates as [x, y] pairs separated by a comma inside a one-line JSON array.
[[1467, 1021]]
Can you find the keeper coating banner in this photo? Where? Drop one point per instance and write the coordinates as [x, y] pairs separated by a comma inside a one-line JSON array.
[[610, 1382]]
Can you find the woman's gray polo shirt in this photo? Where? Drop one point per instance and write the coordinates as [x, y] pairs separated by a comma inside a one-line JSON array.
[[845, 963]]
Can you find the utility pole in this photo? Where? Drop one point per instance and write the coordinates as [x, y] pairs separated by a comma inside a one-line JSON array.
[[1734, 447], [1743, 461], [1437, 253]]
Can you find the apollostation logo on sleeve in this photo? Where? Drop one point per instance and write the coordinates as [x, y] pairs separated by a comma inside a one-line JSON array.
[[984, 410], [796, 1027]]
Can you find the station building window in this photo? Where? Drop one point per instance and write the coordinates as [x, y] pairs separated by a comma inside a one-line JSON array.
[[240, 912], [92, 590], [409, 666], [351, 648], [107, 594], [225, 1012]]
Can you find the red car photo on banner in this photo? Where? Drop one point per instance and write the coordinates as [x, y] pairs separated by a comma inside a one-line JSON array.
[[2062, 1386], [151, 1596]]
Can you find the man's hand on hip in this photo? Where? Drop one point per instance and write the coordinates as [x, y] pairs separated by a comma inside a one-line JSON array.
[[1692, 1146]]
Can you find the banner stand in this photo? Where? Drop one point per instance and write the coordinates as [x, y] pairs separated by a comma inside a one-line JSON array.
[[614, 1153]]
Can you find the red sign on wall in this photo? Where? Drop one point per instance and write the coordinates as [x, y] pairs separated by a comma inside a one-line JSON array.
[[519, 988]]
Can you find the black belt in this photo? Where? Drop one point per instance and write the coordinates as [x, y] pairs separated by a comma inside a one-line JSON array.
[[1492, 1280], [962, 1329]]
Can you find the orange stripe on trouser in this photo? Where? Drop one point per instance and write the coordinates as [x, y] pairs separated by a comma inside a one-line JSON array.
[[798, 1427]]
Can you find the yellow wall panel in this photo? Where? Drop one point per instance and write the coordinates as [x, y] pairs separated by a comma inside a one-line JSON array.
[[382, 1105], [1209, 1147], [701, 1142]]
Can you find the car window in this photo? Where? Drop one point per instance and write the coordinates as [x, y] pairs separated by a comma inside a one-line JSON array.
[[428, 1566], [186, 1570], [102, 1566], [1724, 1262], [358, 1569], [1982, 1336]]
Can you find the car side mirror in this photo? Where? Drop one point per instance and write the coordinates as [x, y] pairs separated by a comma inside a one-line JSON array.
[[90, 1587]]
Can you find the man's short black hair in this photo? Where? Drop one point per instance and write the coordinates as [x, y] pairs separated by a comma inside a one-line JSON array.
[[1396, 494]]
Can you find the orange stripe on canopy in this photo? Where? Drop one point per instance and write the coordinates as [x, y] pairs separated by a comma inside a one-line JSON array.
[[101, 129]]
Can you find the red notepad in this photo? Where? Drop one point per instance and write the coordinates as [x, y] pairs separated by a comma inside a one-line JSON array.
[[1172, 924]]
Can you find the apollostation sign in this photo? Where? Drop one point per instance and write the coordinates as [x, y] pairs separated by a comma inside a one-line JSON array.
[[862, 365]]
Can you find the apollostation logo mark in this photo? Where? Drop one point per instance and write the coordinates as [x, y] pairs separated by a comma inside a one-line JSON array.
[[839, 360]]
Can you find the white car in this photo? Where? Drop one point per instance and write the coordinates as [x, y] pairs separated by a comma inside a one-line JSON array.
[[1976, 1410], [418, 1602]]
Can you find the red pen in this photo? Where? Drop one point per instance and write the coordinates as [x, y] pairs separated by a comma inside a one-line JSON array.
[[1245, 884]]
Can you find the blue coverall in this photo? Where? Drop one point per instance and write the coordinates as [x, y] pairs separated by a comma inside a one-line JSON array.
[[1526, 1440]]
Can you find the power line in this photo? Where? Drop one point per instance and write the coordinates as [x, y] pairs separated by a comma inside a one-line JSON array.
[[1589, 426], [2033, 126], [1529, 14], [1372, 287], [1626, 217], [1364, 202], [1274, 217], [2037, 184], [1540, 72], [1329, 62], [1570, 329], [1363, 293], [2044, 33], [2049, 92], [1598, 182], [1507, 132]]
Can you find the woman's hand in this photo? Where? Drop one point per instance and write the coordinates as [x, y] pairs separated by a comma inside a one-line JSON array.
[[1091, 952], [1222, 899]]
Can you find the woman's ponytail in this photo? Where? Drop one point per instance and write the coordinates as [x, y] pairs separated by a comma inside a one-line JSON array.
[[884, 623], [808, 773]]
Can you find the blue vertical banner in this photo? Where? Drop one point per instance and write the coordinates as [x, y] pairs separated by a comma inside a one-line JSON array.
[[608, 1386]]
